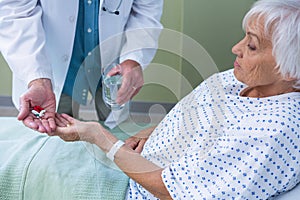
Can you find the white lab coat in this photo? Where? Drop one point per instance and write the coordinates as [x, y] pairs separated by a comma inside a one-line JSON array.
[[36, 37]]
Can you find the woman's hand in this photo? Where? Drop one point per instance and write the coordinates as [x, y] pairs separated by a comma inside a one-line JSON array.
[[138, 141], [70, 129]]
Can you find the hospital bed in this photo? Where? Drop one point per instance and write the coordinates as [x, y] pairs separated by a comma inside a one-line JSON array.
[[34, 166]]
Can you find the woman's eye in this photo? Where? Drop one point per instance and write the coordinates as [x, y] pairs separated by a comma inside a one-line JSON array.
[[251, 47]]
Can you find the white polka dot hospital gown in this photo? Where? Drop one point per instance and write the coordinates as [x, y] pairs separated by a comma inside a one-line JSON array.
[[215, 144]]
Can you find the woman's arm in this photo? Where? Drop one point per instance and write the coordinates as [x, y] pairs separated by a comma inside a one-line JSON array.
[[128, 160], [142, 171]]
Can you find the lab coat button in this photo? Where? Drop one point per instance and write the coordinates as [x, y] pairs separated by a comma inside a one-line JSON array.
[[72, 19], [89, 30], [89, 2], [65, 58]]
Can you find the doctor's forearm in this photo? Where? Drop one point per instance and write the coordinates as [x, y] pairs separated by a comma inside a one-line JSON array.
[[142, 31], [22, 39]]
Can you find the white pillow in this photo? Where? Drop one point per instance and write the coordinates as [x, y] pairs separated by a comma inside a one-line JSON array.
[[290, 195]]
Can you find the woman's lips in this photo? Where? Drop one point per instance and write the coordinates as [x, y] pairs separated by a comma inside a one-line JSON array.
[[236, 64]]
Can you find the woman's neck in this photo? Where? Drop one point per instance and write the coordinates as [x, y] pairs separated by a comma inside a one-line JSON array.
[[261, 92]]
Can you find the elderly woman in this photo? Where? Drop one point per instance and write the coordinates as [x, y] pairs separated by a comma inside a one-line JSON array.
[[234, 136]]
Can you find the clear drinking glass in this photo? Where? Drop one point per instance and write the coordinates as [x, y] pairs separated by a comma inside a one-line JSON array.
[[110, 87]]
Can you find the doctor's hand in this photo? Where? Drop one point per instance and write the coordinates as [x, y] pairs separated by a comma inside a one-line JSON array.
[[132, 80], [39, 93]]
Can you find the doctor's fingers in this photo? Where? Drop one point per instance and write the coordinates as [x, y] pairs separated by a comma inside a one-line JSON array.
[[127, 96], [46, 126], [124, 95], [43, 126], [49, 125], [115, 70], [40, 125], [35, 124], [48, 121], [30, 123], [24, 110], [131, 85]]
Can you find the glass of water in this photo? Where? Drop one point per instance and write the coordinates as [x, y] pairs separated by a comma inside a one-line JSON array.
[[110, 87]]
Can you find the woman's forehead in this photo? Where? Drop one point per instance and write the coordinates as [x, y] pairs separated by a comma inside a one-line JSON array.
[[256, 26]]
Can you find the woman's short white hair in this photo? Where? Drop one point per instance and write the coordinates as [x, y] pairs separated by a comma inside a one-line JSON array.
[[282, 22]]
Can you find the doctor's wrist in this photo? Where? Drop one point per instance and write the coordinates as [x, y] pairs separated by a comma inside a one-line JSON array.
[[44, 82]]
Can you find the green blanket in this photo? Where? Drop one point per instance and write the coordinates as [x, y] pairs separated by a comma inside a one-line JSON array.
[[34, 166]]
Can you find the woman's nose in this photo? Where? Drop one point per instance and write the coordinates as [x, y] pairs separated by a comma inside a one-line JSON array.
[[236, 49]]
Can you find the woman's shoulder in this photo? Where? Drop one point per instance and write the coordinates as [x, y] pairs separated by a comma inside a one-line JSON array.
[[224, 80], [225, 77]]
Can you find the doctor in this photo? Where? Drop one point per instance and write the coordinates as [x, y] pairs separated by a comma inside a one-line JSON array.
[[45, 43]]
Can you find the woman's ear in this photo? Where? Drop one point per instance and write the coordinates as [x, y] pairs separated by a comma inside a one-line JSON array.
[[289, 78]]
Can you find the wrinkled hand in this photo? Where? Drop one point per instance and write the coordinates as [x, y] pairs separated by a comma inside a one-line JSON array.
[[132, 80], [70, 129], [138, 141], [39, 94]]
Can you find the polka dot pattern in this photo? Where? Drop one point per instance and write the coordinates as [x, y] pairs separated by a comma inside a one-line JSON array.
[[215, 144]]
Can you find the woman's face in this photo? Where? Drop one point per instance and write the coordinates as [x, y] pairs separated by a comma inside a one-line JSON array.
[[255, 64]]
